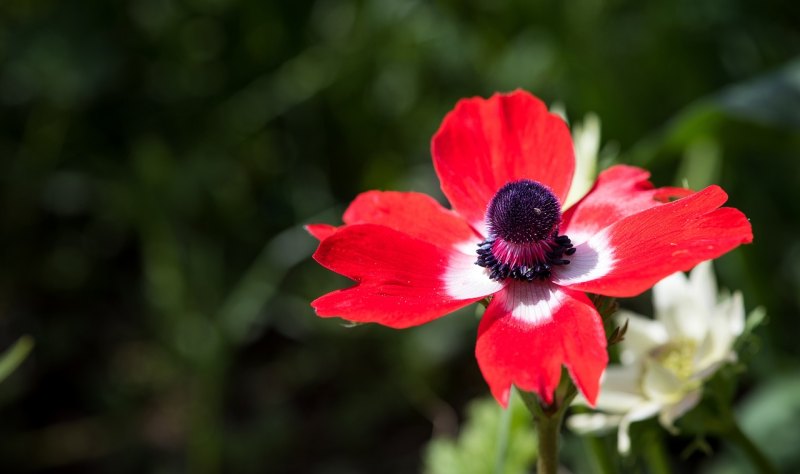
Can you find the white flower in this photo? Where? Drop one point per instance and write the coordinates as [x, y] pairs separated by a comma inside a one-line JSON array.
[[666, 360], [586, 142]]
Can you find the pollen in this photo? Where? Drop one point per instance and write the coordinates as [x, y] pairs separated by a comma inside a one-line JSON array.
[[677, 357], [523, 220]]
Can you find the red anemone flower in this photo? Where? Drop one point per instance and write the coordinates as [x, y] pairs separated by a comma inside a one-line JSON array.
[[506, 164]]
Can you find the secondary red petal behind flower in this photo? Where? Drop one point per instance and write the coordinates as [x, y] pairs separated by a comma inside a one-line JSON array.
[[414, 214], [530, 330], [400, 278], [633, 254], [484, 144], [320, 231], [619, 192]]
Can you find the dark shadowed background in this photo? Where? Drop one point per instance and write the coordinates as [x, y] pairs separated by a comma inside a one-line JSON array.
[[158, 158]]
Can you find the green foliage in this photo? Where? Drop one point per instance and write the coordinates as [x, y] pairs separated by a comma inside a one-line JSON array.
[[770, 415], [159, 157], [14, 356], [486, 440]]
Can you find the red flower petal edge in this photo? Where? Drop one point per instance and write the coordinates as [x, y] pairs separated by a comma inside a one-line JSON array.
[[414, 214], [400, 278], [636, 252], [530, 330], [620, 191], [483, 144], [320, 231]]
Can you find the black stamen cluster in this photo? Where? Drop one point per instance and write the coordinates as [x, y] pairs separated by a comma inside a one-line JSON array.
[[523, 211], [560, 246]]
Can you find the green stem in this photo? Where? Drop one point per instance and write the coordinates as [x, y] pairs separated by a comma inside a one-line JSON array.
[[547, 429], [502, 437], [602, 460], [548, 419], [729, 428], [204, 448], [754, 454], [654, 453]]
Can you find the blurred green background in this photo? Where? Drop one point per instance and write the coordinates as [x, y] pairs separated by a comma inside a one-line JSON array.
[[160, 156]]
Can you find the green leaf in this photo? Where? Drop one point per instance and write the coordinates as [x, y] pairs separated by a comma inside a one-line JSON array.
[[770, 416], [771, 100], [755, 319], [475, 450], [13, 357]]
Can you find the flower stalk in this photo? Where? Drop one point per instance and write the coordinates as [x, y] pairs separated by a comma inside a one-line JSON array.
[[654, 454], [753, 453], [548, 420], [602, 461], [729, 429], [502, 438], [547, 429]]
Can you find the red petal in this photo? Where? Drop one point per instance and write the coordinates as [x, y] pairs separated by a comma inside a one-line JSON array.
[[619, 192], [530, 330], [320, 231], [483, 144], [414, 214], [400, 278], [641, 249]]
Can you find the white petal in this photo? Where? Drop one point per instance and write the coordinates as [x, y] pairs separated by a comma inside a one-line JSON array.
[[592, 259], [534, 302], [465, 280], [661, 384], [617, 401], [709, 370], [619, 390], [671, 413], [621, 379], [643, 335], [586, 137], [727, 323], [706, 353], [670, 290], [736, 317], [679, 310], [639, 412], [704, 285], [585, 423]]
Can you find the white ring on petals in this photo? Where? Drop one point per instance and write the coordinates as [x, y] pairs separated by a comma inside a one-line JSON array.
[[533, 303], [468, 247], [592, 259], [463, 279]]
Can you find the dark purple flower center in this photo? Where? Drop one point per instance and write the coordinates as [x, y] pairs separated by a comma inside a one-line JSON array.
[[523, 243]]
